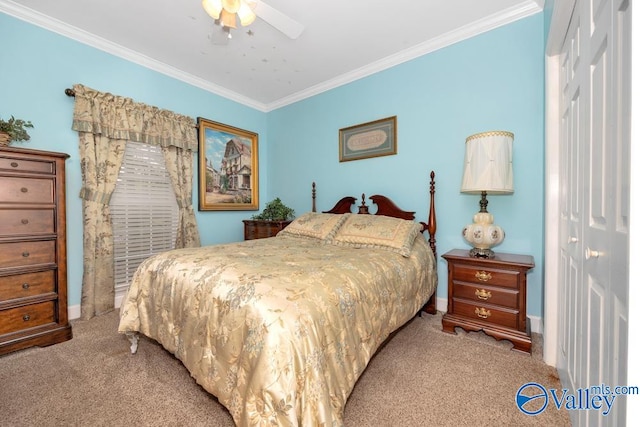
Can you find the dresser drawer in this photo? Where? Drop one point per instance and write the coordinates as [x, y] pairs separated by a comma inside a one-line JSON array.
[[486, 313], [28, 316], [26, 190], [505, 297], [487, 276], [23, 165], [18, 254], [19, 222], [27, 285]]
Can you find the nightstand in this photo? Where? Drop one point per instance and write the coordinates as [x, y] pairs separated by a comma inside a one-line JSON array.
[[260, 229], [489, 295]]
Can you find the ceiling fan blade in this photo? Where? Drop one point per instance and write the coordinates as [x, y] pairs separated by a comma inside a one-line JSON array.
[[278, 20]]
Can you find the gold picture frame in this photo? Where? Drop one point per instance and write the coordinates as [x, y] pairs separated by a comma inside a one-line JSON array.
[[227, 167], [372, 139]]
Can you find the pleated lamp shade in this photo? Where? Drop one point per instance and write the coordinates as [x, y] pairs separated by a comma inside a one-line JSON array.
[[488, 163]]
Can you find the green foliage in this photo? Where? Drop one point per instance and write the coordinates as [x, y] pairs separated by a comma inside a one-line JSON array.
[[16, 128], [275, 211]]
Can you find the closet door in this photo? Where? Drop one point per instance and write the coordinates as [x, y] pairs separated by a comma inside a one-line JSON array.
[[595, 192]]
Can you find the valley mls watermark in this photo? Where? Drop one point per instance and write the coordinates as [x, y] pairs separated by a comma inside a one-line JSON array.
[[533, 398]]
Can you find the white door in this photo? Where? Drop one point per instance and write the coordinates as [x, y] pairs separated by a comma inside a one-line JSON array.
[[571, 202], [594, 183]]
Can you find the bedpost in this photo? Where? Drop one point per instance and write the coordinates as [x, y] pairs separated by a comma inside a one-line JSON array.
[[313, 196], [430, 306], [432, 226]]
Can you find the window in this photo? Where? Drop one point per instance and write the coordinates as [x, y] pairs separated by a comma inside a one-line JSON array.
[[143, 210]]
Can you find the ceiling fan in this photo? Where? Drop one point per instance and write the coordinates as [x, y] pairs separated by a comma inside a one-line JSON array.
[[226, 13]]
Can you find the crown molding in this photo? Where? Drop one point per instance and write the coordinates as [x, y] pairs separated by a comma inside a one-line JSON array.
[[475, 28], [481, 26], [84, 37]]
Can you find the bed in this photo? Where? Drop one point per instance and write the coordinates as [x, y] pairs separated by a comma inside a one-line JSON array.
[[280, 329]]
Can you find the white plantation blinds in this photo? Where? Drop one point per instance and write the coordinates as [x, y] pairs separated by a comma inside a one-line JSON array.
[[143, 210]]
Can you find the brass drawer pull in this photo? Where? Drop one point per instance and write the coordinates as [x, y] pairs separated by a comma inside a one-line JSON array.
[[14, 164], [24, 189], [25, 254], [25, 286], [25, 221], [483, 313], [26, 317], [483, 276], [483, 294]]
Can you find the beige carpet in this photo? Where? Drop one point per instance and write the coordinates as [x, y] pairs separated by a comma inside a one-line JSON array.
[[421, 377]]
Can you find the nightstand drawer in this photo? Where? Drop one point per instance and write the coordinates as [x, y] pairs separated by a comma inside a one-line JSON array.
[[28, 316], [486, 313], [488, 276], [505, 297]]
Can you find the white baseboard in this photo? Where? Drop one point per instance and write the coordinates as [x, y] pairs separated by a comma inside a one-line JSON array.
[[74, 312], [534, 321]]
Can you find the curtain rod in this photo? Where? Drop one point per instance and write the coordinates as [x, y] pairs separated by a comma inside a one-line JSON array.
[[70, 92]]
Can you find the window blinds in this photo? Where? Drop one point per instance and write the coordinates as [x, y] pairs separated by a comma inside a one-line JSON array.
[[143, 210]]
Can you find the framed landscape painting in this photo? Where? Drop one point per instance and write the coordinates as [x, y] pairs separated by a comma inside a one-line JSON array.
[[227, 167]]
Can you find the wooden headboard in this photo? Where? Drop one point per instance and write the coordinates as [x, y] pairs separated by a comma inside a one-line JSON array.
[[388, 208]]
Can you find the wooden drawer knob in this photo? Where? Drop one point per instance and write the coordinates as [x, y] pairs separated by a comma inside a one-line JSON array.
[[483, 312], [25, 254], [26, 317], [483, 294], [25, 221], [24, 189], [14, 164], [483, 276]]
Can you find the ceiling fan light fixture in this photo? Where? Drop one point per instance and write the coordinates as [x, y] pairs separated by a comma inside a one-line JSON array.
[[228, 19], [231, 6], [245, 14], [213, 8]]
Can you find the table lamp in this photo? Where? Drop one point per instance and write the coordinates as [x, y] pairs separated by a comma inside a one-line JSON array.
[[488, 169]]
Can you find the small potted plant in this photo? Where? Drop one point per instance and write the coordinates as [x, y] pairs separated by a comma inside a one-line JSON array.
[[14, 130], [274, 217], [275, 210]]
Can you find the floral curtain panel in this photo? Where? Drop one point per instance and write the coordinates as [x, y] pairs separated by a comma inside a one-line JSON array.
[[105, 123]]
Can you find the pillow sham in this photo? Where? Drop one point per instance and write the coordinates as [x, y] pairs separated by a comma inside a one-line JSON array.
[[378, 231], [321, 226]]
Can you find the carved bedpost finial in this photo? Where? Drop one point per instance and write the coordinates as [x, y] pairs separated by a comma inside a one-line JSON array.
[[363, 208], [313, 196]]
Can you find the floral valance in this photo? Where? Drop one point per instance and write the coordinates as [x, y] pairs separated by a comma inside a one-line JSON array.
[[117, 117]]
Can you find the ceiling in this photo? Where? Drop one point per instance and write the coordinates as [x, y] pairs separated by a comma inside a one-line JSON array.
[[342, 40]]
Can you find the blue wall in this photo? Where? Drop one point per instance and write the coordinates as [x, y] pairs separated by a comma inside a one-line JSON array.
[[492, 81]]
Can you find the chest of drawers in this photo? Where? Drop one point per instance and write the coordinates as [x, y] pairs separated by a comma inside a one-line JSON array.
[[489, 295], [33, 260]]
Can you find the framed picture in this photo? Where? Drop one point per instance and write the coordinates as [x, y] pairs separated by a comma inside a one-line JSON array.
[[373, 139], [227, 167]]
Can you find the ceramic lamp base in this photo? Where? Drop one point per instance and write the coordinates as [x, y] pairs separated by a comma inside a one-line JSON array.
[[483, 234]]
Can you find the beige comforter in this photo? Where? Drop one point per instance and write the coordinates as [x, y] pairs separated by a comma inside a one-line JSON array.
[[279, 329]]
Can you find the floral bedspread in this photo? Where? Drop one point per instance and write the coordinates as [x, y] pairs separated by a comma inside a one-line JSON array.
[[278, 329]]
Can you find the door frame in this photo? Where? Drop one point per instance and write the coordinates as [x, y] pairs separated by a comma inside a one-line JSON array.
[[561, 16]]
